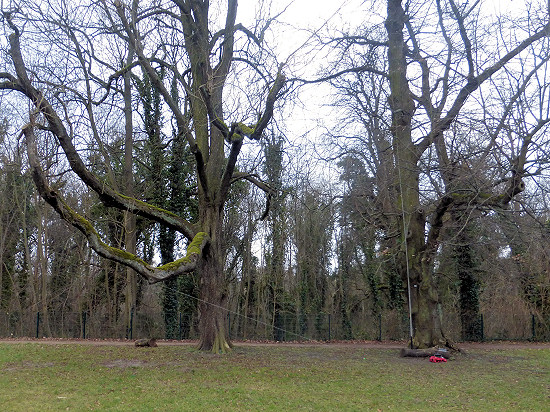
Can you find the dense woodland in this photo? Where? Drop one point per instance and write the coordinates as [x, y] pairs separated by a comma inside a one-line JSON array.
[[151, 172]]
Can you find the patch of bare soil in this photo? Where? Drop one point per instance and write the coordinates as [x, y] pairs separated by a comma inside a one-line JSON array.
[[125, 363], [504, 345], [63, 341], [27, 365], [343, 344]]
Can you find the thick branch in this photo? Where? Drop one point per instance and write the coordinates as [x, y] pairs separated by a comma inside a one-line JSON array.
[[106, 193], [236, 146], [425, 70], [516, 184], [252, 178], [152, 274], [237, 27], [437, 223], [473, 84], [272, 96], [229, 38], [269, 191], [445, 78], [158, 84], [509, 106], [239, 130], [465, 38], [367, 68], [155, 79]]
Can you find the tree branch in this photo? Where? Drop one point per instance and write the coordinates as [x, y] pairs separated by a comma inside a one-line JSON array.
[[236, 146], [272, 96], [473, 84], [186, 264], [253, 178], [465, 38], [237, 27], [229, 39], [155, 79], [269, 191], [360, 69], [56, 126]]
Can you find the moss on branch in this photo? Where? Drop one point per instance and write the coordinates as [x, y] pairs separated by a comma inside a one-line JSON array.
[[178, 267], [193, 252], [246, 130]]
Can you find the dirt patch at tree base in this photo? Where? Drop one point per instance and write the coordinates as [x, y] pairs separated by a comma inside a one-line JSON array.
[[355, 343]]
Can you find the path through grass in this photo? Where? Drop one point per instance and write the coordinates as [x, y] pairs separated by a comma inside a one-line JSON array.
[[38, 377]]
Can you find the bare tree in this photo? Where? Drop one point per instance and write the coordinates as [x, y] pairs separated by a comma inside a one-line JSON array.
[[198, 54], [443, 69]]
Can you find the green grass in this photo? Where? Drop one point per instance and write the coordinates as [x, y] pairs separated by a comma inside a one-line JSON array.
[[39, 377]]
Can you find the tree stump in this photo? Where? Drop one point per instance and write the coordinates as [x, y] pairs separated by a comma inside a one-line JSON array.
[[424, 353], [151, 343]]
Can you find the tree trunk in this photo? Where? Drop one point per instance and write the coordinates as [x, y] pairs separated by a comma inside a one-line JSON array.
[[42, 269], [129, 218], [466, 267], [423, 353], [213, 287], [212, 313], [416, 269], [246, 293], [426, 313], [169, 287], [131, 276]]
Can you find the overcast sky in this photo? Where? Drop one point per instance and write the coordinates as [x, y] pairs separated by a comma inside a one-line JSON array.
[[301, 17]]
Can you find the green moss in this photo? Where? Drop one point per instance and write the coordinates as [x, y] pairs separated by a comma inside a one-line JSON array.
[[78, 219], [193, 250], [221, 123], [246, 130], [195, 245], [148, 205], [122, 254]]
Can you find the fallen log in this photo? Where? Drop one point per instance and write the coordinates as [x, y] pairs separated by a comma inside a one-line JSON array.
[[141, 343], [424, 353]]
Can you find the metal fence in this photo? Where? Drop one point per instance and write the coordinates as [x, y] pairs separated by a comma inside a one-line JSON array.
[[284, 327]]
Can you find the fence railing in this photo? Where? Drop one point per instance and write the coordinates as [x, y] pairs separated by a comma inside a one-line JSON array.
[[283, 327]]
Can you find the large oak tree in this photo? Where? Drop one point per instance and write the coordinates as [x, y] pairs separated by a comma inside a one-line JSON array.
[[448, 113], [76, 81]]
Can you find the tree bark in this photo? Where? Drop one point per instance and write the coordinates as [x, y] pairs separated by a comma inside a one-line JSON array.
[[426, 311], [42, 269], [200, 121], [129, 218], [416, 262], [423, 353], [213, 289]]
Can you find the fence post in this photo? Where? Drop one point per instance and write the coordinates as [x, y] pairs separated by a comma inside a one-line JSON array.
[[179, 326], [131, 331], [329, 326], [229, 324], [37, 323], [83, 325], [482, 327], [379, 338], [533, 329]]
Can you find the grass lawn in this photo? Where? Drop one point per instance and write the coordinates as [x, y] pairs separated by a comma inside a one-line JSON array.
[[46, 377]]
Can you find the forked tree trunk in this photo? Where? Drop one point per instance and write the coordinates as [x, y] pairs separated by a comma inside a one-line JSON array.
[[411, 222], [425, 303]]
